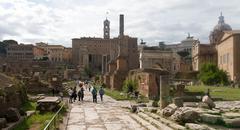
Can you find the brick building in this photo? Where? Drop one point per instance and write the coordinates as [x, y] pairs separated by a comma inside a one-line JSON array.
[[96, 53]]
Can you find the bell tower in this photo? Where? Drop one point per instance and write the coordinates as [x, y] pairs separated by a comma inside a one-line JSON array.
[[106, 29]]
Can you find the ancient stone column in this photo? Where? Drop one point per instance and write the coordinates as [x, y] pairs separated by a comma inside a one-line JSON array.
[[164, 91]]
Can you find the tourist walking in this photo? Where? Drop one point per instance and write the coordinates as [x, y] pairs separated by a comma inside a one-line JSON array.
[[70, 93], [94, 94], [101, 93], [81, 94], [74, 95], [82, 91]]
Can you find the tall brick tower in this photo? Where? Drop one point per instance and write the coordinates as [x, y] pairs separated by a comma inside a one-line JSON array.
[[121, 25], [106, 29]]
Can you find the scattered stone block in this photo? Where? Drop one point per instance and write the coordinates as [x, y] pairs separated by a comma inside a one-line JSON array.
[[30, 113], [185, 115], [235, 123], [192, 126], [48, 104], [209, 101], [134, 108], [178, 101], [231, 115], [3, 123], [211, 119], [12, 115], [190, 104], [213, 112], [152, 109], [203, 105], [169, 110]]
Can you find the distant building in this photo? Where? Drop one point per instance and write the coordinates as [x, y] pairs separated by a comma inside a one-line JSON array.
[[56, 53], [97, 53], [203, 53], [67, 55], [20, 52], [223, 50], [39, 53], [229, 55], [155, 57], [185, 45]]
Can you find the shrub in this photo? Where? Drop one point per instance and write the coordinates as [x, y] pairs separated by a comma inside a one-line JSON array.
[[129, 86], [88, 72], [210, 74], [155, 103]]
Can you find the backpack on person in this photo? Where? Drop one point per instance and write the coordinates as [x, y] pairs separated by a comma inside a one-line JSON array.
[[79, 93], [101, 91], [94, 91]]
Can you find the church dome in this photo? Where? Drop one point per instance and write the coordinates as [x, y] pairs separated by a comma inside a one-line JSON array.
[[222, 26], [217, 33]]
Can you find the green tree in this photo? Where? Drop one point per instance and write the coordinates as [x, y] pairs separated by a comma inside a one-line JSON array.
[[4, 44], [210, 74], [129, 86], [88, 72]]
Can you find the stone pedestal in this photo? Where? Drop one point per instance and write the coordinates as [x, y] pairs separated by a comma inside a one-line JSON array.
[[178, 101], [179, 90], [164, 91]]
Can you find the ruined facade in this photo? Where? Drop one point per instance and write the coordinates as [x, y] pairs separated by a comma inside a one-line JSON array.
[[155, 57], [97, 53], [148, 81]]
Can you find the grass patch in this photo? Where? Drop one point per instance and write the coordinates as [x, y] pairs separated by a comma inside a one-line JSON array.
[[28, 106], [226, 93], [38, 120], [116, 94], [35, 119]]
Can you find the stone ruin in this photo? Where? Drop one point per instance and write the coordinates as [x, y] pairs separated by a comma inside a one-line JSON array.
[[48, 104], [35, 85], [203, 115], [55, 83], [148, 81], [11, 99]]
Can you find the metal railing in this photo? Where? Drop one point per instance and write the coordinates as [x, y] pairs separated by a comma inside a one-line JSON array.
[[54, 122]]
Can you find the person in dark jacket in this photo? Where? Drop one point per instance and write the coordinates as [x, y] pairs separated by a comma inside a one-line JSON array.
[[101, 93], [74, 94], [82, 93], [94, 94]]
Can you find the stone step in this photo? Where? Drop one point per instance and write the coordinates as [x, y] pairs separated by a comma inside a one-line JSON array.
[[167, 122], [143, 122], [154, 122]]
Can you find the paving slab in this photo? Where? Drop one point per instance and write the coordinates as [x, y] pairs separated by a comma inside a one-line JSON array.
[[106, 115]]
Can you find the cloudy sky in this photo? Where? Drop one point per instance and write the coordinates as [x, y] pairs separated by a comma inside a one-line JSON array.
[[58, 21]]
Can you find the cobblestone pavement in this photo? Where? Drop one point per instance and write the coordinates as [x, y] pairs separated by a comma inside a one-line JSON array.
[[106, 115]]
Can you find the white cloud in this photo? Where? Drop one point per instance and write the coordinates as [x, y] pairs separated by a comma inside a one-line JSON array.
[[58, 21]]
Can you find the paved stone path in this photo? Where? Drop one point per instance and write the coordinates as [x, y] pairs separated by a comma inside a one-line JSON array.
[[106, 115]]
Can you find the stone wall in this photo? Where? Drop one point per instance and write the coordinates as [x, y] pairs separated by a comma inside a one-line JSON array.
[[9, 97], [148, 81]]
